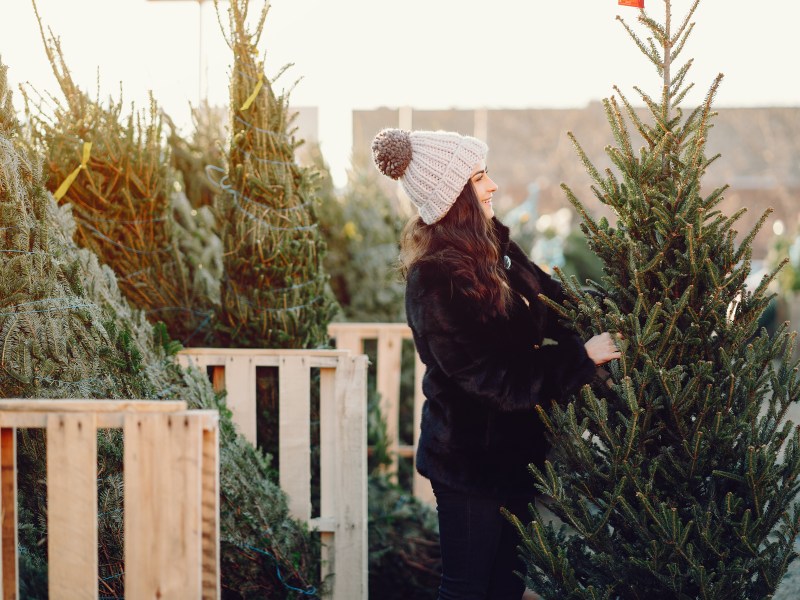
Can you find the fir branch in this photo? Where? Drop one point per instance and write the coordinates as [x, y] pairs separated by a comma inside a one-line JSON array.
[[685, 23], [651, 53]]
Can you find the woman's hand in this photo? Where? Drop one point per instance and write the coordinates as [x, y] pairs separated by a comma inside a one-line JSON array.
[[601, 348]]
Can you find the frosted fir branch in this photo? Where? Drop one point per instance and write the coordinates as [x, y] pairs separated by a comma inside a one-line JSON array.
[[655, 108], [584, 158], [679, 47], [643, 130], [685, 23], [677, 82], [618, 127], [651, 53], [745, 246]]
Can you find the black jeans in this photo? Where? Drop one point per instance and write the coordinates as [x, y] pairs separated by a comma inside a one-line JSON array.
[[479, 546]]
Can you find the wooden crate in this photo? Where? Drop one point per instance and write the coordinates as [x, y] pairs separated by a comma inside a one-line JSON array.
[[343, 444], [171, 479]]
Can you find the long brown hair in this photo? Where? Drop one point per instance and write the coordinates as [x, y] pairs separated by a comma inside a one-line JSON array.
[[465, 241]]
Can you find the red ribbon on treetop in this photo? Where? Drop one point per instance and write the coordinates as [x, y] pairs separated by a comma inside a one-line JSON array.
[[634, 3]]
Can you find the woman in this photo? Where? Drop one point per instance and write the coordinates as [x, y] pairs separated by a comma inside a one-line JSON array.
[[472, 302]]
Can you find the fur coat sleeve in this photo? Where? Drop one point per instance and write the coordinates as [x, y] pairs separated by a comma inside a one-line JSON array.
[[501, 362]]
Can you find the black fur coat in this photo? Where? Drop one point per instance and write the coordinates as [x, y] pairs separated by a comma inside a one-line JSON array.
[[483, 378]]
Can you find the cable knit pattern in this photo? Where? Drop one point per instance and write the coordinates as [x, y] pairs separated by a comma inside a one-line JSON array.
[[440, 165]]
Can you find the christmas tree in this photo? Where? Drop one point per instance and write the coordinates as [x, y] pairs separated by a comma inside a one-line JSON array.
[[274, 288], [678, 478]]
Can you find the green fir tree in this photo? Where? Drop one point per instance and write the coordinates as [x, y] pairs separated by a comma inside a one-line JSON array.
[[678, 480]]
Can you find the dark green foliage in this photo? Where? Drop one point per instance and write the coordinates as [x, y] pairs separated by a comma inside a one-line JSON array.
[[680, 480], [404, 556], [579, 261]]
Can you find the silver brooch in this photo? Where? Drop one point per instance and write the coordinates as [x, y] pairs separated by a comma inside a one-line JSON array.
[[506, 262]]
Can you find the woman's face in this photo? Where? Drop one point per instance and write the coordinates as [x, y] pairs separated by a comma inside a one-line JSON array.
[[484, 188]]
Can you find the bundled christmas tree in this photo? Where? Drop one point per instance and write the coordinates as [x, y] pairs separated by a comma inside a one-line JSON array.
[[115, 172], [274, 288], [679, 479], [361, 229]]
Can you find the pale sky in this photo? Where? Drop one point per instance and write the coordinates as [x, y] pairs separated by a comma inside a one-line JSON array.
[[430, 54]]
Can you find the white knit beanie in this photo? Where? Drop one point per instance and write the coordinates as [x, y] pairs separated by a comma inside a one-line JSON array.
[[433, 166]]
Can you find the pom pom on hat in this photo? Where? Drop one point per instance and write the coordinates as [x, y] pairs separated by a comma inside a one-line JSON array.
[[433, 166], [391, 151]]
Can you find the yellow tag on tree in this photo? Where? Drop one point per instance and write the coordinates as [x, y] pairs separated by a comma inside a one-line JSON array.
[[252, 96], [62, 189]]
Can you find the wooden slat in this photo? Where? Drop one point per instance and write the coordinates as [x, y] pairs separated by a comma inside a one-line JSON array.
[[187, 360], [368, 330], [390, 345], [351, 336], [87, 406], [326, 523], [27, 420], [309, 354], [240, 382], [323, 525], [405, 451], [72, 505], [23, 420], [143, 435], [163, 529], [350, 340], [350, 542], [328, 431], [218, 378], [8, 508], [210, 514], [294, 443], [184, 527]]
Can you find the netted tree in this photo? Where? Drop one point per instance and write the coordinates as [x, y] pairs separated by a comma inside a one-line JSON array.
[[679, 481], [274, 288]]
